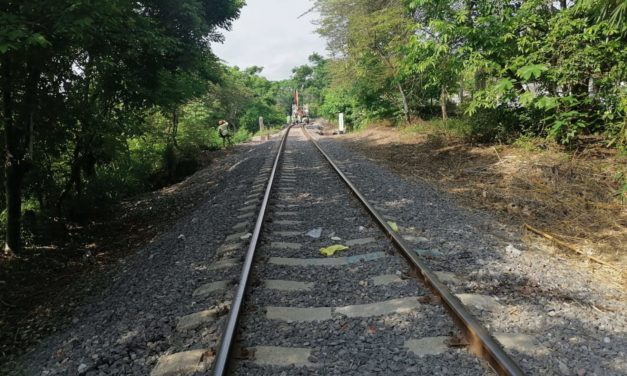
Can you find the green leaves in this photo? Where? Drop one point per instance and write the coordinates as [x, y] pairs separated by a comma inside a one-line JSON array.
[[546, 103], [504, 85], [526, 98], [16, 33], [531, 71], [559, 72], [38, 40], [85, 74], [17, 40]]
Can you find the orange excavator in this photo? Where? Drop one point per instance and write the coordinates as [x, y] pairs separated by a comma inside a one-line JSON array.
[[300, 114]]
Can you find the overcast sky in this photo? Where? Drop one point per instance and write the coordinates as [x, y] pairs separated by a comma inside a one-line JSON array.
[[269, 34]]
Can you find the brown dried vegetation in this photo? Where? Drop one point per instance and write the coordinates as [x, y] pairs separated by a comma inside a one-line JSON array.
[[571, 194]]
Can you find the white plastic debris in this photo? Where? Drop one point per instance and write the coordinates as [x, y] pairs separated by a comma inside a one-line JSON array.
[[315, 233], [513, 250]]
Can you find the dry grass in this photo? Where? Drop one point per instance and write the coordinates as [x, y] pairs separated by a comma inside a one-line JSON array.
[[570, 194]]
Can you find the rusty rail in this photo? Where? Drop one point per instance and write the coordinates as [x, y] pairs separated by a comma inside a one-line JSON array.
[[480, 341]]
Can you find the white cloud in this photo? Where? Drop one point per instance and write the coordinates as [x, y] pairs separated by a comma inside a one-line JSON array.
[[270, 34]]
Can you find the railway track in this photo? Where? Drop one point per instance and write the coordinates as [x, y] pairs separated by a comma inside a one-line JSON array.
[[360, 311]]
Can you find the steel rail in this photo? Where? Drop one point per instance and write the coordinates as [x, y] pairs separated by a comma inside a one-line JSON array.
[[220, 362], [480, 341]]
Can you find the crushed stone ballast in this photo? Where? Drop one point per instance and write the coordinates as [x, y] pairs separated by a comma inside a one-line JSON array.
[[319, 281]]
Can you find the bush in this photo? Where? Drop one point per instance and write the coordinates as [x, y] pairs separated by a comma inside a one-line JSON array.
[[250, 119], [242, 135], [500, 124], [178, 163]]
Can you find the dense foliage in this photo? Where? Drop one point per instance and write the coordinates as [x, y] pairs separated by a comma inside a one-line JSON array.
[[534, 66], [102, 99]]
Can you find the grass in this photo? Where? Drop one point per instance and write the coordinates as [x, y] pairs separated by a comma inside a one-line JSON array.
[[268, 131]]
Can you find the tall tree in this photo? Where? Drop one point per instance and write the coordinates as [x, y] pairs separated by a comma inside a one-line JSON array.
[[369, 37], [99, 63]]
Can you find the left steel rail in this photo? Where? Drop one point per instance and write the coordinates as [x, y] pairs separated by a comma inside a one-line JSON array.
[[221, 360]]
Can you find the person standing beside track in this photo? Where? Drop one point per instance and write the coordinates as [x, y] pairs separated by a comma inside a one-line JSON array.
[[225, 132]]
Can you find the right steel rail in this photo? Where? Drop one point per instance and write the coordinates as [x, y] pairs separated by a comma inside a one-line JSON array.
[[480, 341]]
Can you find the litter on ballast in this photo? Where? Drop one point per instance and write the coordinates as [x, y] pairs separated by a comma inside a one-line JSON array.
[[331, 250], [315, 233], [393, 226], [429, 253]]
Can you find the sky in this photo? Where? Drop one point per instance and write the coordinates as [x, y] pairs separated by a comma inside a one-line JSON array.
[[269, 34]]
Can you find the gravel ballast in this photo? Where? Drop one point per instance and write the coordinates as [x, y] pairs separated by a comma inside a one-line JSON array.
[[578, 327], [129, 326], [363, 340], [169, 302]]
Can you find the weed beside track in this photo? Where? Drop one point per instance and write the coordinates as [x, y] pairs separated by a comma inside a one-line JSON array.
[[573, 194]]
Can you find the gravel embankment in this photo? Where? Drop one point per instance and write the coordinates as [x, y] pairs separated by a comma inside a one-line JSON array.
[[579, 327], [314, 197], [125, 329]]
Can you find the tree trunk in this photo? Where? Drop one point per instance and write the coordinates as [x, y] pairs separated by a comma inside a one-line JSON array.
[[12, 166], [461, 92], [175, 126], [479, 79], [386, 59], [443, 98], [404, 100], [31, 100], [13, 176], [470, 8], [74, 179], [591, 87], [31, 130]]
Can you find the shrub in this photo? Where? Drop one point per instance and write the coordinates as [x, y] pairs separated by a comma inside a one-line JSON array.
[[500, 124]]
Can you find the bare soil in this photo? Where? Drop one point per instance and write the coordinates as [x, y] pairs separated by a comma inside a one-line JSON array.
[[571, 194]]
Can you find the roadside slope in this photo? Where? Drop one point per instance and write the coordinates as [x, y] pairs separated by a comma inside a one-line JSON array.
[[132, 256], [573, 195]]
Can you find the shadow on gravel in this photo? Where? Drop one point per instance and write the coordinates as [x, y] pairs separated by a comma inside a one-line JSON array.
[[40, 290], [575, 334], [573, 321]]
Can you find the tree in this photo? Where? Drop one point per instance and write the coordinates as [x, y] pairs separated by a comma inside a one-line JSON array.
[[550, 68], [99, 65], [310, 80], [368, 36]]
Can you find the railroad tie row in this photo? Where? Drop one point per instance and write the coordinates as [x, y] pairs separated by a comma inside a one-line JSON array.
[[228, 257]]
